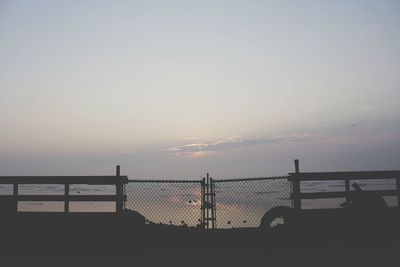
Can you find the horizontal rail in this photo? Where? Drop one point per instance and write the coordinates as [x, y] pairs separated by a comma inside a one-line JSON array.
[[82, 198], [342, 194], [362, 175], [251, 179], [165, 181], [90, 180]]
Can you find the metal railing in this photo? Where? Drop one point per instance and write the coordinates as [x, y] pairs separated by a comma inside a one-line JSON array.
[[383, 183], [9, 203]]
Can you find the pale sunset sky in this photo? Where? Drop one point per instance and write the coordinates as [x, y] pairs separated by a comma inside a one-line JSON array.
[[175, 89]]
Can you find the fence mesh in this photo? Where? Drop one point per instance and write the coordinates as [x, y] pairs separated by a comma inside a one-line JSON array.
[[239, 202], [166, 202], [243, 202]]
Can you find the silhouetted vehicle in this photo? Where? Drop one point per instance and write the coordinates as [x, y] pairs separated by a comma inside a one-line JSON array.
[[361, 202]]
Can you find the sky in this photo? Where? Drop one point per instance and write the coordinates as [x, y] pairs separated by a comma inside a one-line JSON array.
[[175, 89]]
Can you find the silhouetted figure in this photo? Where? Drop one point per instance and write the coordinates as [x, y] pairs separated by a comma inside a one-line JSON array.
[[366, 200]]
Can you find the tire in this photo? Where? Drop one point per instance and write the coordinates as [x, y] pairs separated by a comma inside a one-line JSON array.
[[281, 212]]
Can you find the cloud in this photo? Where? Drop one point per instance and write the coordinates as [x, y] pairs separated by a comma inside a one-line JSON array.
[[236, 142]]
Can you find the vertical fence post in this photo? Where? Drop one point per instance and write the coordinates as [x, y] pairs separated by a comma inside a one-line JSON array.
[[296, 187], [398, 191], [212, 204], [118, 170], [203, 203], [119, 191], [15, 193], [347, 190], [66, 198], [15, 189], [208, 201]]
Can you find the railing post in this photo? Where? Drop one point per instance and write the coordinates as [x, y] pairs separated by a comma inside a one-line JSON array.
[[208, 201], [203, 203], [213, 204], [119, 191], [296, 187], [118, 170], [347, 190], [66, 199], [15, 193], [398, 191]]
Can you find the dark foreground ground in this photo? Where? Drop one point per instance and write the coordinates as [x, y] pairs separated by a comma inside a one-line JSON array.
[[118, 240]]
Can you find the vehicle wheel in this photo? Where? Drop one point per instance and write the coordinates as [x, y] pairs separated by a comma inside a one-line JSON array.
[[277, 216]]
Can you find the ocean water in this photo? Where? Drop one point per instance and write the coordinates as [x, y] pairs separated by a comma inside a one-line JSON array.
[[335, 186], [58, 206]]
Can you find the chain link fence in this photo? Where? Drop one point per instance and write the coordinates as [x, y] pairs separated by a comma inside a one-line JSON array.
[[238, 202], [169, 202], [243, 202]]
